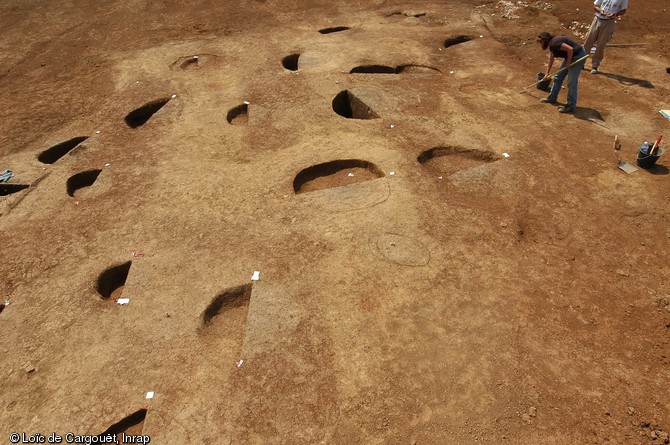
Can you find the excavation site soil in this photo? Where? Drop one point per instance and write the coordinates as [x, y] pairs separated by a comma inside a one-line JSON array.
[[331, 222]]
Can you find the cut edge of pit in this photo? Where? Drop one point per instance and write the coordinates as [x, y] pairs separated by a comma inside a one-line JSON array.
[[331, 167], [230, 298], [112, 278]]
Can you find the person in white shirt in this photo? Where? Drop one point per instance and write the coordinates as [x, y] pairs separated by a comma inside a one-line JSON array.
[[602, 28]]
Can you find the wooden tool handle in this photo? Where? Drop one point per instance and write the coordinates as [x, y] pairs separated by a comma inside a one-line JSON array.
[[653, 150]]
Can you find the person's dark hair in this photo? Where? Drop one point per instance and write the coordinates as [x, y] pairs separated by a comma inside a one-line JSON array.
[[544, 38]]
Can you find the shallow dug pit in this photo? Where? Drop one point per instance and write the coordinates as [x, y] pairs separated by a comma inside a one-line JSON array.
[[400, 69], [290, 62], [54, 153], [111, 281], [81, 180], [334, 29], [131, 425], [444, 161], [403, 250], [407, 14], [335, 174], [140, 116], [193, 63], [373, 69], [238, 115], [231, 299], [456, 40], [347, 105], [190, 63], [8, 189]]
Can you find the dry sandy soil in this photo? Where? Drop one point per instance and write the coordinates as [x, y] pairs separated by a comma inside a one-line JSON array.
[[423, 289]]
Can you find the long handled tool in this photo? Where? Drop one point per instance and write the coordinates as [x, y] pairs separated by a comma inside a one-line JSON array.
[[559, 71], [654, 149], [623, 165]]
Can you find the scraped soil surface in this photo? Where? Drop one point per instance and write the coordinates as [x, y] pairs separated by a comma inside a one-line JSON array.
[[520, 301]]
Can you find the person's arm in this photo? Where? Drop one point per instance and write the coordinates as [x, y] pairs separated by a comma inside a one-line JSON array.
[[568, 49], [597, 8], [549, 64], [616, 14]]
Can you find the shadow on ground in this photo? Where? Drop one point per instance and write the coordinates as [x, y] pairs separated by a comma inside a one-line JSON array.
[[627, 80], [657, 169], [588, 114]]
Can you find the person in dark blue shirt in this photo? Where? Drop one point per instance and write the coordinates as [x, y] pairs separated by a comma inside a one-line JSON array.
[[571, 51]]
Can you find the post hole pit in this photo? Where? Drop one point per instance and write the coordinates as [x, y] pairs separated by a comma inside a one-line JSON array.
[[9, 189], [81, 180], [333, 29], [337, 173], [231, 298], [290, 62], [55, 152], [238, 115], [456, 40], [112, 280], [348, 105], [141, 115]]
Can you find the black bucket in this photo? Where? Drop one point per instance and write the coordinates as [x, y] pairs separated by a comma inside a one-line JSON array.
[[544, 85], [644, 159]]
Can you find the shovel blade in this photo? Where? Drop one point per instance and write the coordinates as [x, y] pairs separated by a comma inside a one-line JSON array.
[[627, 167]]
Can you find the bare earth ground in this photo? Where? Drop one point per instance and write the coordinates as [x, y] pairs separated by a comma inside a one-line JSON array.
[[470, 298]]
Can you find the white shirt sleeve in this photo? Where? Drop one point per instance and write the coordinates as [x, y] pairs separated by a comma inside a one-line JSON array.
[[597, 3]]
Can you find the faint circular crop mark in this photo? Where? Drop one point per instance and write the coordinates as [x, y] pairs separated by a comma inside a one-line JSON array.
[[403, 250]]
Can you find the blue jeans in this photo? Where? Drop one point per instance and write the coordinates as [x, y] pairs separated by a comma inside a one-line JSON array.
[[573, 77]]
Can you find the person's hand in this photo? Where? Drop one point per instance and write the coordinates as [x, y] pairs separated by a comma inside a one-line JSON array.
[[610, 15]]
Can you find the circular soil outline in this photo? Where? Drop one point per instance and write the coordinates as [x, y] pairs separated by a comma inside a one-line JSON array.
[[402, 250], [193, 62]]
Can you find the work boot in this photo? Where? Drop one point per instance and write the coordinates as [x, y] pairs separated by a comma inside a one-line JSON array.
[[566, 109], [548, 100]]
